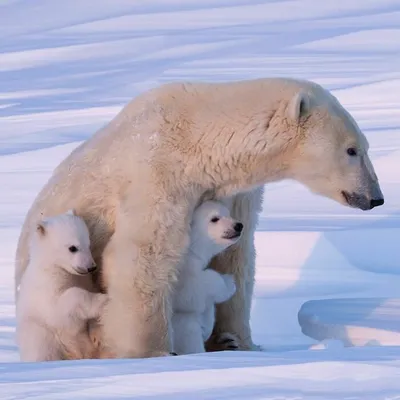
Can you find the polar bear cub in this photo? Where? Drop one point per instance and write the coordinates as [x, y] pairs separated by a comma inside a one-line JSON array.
[[56, 295], [198, 288]]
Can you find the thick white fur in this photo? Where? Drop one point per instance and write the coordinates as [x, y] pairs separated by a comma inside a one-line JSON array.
[[199, 289], [165, 152], [56, 297]]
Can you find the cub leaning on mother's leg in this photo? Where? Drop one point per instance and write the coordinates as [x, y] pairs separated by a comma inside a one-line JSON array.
[[56, 296], [200, 288]]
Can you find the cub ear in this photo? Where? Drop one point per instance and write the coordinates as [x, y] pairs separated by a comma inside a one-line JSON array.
[[41, 228], [71, 212], [299, 106]]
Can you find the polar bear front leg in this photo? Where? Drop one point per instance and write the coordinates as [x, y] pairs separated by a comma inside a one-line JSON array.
[[232, 327], [141, 264]]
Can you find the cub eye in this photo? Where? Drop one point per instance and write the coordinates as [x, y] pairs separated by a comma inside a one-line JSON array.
[[73, 249], [351, 151], [214, 219]]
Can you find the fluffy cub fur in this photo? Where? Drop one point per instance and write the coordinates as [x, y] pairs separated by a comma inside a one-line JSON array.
[[56, 296], [199, 289]]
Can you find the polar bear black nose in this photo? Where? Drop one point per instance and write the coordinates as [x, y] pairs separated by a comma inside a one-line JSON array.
[[377, 202], [92, 268], [238, 227]]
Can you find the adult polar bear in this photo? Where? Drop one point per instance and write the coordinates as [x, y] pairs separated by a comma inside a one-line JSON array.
[[140, 177]]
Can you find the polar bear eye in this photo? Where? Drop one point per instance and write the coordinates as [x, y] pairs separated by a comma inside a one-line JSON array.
[[352, 152], [214, 219], [73, 249]]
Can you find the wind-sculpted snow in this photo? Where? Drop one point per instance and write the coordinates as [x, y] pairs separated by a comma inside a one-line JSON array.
[[328, 277]]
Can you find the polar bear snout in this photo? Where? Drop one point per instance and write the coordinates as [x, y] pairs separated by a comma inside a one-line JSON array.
[[361, 201], [86, 267], [84, 271], [366, 195], [238, 227], [377, 198], [377, 202], [92, 268], [234, 231]]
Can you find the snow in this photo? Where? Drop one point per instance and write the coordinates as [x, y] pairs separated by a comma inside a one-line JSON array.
[[327, 306], [368, 374], [372, 40]]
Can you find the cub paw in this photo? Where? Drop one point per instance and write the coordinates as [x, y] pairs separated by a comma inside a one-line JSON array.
[[230, 284]]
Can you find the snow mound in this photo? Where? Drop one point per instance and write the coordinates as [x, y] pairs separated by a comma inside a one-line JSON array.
[[354, 322]]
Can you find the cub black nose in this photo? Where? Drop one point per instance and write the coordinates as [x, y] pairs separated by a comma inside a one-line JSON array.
[[377, 202], [91, 269], [238, 227]]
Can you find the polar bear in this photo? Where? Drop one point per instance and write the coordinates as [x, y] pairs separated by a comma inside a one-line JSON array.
[[199, 288], [173, 147], [56, 297]]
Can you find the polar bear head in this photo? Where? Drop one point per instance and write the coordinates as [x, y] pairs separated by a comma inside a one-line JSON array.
[[280, 128], [63, 241], [331, 157], [213, 229]]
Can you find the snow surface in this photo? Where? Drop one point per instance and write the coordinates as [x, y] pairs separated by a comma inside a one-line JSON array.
[[327, 300]]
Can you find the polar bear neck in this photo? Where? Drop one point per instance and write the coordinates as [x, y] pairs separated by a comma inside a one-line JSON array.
[[228, 146]]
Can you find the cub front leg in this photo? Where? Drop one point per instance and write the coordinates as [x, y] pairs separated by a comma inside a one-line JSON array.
[[37, 343], [141, 265], [232, 326], [188, 333], [218, 287], [77, 303]]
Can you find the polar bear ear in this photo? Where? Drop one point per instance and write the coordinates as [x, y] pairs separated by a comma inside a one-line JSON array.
[[41, 228], [299, 106]]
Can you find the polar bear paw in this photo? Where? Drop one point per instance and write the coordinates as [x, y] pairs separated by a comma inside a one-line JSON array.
[[163, 354], [222, 341]]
